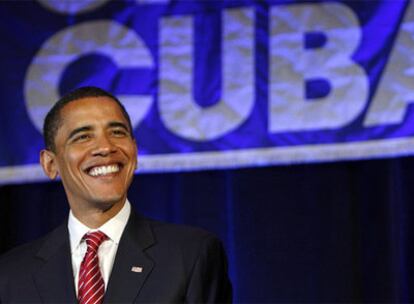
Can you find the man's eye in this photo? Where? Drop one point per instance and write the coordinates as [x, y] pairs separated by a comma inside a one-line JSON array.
[[119, 132], [82, 137]]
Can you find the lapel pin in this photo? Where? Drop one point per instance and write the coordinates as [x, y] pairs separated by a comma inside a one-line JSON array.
[[136, 269]]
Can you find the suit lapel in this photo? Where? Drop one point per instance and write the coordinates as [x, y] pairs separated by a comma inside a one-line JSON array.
[[132, 265], [54, 280]]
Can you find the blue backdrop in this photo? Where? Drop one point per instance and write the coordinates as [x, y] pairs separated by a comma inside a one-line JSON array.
[[215, 84]]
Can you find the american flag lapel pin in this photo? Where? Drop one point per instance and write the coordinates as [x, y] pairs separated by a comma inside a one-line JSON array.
[[136, 269]]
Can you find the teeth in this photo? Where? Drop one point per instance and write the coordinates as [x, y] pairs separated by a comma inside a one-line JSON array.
[[103, 170]]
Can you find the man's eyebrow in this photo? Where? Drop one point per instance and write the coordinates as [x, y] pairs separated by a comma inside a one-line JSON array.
[[117, 124], [79, 130]]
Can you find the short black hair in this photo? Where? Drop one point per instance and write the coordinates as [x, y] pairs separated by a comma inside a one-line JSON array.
[[53, 119]]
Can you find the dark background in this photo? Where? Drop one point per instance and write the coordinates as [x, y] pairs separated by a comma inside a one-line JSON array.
[[333, 232]]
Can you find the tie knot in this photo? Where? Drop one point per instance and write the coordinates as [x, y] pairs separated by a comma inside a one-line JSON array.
[[94, 239]]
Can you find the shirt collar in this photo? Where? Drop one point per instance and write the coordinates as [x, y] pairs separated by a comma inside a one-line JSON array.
[[112, 228]]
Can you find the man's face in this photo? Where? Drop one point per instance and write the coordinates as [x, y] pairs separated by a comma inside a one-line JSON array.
[[95, 155]]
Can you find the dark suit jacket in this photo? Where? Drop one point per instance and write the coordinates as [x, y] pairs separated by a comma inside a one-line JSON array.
[[179, 264]]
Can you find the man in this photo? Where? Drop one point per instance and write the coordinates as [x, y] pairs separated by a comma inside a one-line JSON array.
[[106, 252]]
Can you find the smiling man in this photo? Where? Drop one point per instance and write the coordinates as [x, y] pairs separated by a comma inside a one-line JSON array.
[[105, 252]]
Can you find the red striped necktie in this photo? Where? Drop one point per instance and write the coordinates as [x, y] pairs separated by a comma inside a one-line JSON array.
[[91, 286]]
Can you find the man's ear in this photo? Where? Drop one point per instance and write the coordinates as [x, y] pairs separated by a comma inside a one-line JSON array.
[[48, 162]]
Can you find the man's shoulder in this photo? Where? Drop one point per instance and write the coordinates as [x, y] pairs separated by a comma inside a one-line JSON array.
[[27, 249], [191, 254], [19, 258], [180, 236], [22, 256], [178, 232]]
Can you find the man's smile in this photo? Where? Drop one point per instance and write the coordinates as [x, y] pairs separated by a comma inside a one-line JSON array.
[[103, 170]]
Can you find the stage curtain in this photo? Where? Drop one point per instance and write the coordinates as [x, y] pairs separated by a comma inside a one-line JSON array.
[[333, 232]]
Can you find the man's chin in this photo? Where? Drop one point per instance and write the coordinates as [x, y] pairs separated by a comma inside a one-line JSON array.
[[107, 203]]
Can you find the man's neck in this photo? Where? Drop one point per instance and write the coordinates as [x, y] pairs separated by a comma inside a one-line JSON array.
[[96, 217]]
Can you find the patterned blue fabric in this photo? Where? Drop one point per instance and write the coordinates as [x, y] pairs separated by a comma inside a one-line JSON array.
[[215, 84]]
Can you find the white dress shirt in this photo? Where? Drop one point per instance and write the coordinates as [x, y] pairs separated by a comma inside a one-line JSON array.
[[107, 251]]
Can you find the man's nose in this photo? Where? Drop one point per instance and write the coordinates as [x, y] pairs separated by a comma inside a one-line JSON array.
[[104, 146]]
